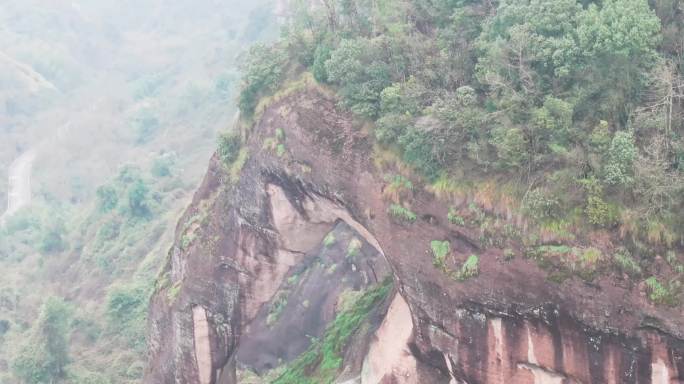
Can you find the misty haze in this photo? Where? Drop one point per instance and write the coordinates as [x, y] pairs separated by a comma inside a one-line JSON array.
[[342, 191]]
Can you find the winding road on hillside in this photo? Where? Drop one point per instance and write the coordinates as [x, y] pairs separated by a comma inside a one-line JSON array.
[[19, 186]]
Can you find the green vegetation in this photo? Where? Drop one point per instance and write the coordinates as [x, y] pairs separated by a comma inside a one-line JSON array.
[[563, 261], [440, 249], [228, 147], [150, 111], [470, 268], [455, 218], [137, 198], [329, 240], [626, 263], [107, 198], [162, 166], [263, 73], [323, 359], [399, 188], [666, 294], [276, 143], [45, 354], [280, 150], [401, 213], [354, 247], [238, 164], [570, 103], [276, 308], [127, 312], [173, 291]]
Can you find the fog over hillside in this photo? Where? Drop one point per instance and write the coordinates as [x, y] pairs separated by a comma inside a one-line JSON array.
[[109, 112]]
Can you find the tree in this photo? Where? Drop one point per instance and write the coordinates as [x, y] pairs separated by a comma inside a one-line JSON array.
[[127, 312], [228, 147], [107, 198], [621, 155], [657, 184], [511, 147], [361, 73], [527, 39], [626, 28], [51, 239], [263, 72], [321, 55], [44, 356], [617, 44], [138, 199]]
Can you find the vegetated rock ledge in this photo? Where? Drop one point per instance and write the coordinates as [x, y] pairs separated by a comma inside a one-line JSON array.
[[240, 241]]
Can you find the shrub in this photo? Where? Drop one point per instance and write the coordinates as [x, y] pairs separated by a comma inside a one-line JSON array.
[[418, 150], [52, 235], [45, 354], [329, 240], [138, 199], [161, 167], [391, 126], [399, 187], [598, 211], [362, 76], [127, 312], [510, 145], [625, 262], [659, 293], [87, 377], [228, 147], [401, 213], [276, 308], [321, 55], [263, 73], [440, 249], [470, 268], [455, 218], [107, 198], [238, 164], [354, 247], [280, 150], [539, 205], [621, 155]]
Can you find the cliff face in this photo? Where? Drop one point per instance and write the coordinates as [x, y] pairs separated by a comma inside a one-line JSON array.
[[265, 263]]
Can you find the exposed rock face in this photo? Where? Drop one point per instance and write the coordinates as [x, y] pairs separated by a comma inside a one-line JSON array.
[[308, 299], [250, 254]]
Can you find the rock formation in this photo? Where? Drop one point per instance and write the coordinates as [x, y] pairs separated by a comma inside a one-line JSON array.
[[264, 262]]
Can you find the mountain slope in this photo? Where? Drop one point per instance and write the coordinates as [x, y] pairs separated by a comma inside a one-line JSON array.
[[503, 322]]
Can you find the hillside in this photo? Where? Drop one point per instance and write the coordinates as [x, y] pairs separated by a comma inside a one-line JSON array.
[[118, 105]]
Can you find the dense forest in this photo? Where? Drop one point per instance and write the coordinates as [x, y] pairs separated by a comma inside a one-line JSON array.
[[568, 112]]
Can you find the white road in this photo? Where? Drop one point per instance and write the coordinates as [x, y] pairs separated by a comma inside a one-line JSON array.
[[19, 186]]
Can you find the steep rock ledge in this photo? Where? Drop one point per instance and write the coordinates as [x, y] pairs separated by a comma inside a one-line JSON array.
[[239, 243]]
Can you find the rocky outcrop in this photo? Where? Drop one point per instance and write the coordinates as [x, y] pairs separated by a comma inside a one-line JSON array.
[[254, 276]]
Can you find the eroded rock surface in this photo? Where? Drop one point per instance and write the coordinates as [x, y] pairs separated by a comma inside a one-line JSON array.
[[308, 299], [260, 246]]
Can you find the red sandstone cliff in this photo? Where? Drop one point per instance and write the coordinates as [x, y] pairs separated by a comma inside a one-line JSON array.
[[252, 279]]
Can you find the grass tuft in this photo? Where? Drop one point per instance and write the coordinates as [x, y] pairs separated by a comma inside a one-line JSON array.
[[440, 249], [470, 268], [402, 214], [663, 294]]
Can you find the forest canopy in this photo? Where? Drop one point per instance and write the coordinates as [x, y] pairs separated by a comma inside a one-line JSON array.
[[578, 103]]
